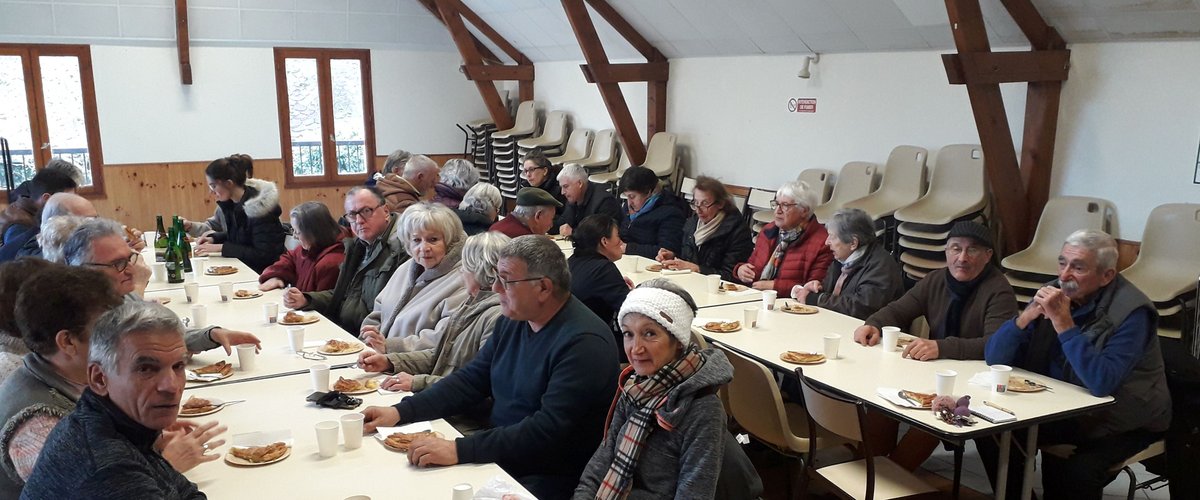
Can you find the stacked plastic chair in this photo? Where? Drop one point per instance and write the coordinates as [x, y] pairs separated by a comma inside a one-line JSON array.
[[552, 139], [1033, 267], [819, 180], [576, 149], [609, 179], [957, 191], [663, 158], [479, 146], [504, 147], [903, 184], [602, 155], [856, 180], [1168, 265]]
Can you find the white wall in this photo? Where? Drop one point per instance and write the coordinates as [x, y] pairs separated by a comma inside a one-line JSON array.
[[561, 86], [147, 116], [1128, 128]]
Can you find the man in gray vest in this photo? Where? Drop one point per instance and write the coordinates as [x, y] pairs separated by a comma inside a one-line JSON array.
[[1094, 329]]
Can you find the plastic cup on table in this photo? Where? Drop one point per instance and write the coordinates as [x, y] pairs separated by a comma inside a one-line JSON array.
[[271, 312], [714, 283], [891, 338], [226, 289], [833, 344], [320, 377], [352, 430], [199, 315], [750, 316], [1000, 374], [247, 355], [945, 382], [463, 491], [192, 292], [327, 438], [768, 298], [158, 272], [296, 338]]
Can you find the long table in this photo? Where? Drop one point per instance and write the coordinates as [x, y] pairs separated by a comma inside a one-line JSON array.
[[860, 371], [696, 284], [243, 275], [279, 404]]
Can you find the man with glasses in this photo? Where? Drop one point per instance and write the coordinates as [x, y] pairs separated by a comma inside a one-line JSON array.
[[583, 198], [550, 367], [100, 244], [371, 257], [419, 177], [534, 214]]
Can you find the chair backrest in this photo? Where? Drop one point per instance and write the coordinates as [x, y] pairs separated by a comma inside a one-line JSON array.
[[1172, 237], [754, 399], [905, 171], [603, 147], [740, 195], [760, 199], [836, 414], [555, 131], [578, 144], [856, 180], [661, 155], [526, 118], [957, 187], [685, 187], [1064, 215], [819, 180]]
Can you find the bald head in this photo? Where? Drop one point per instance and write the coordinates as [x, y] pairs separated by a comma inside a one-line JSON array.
[[67, 204]]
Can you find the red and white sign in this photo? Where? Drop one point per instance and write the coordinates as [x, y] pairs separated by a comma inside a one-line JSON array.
[[802, 105]]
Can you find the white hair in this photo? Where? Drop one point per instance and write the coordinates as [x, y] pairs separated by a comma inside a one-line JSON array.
[[572, 172], [418, 164], [54, 234], [127, 319], [799, 192], [1098, 242], [459, 174], [483, 198]]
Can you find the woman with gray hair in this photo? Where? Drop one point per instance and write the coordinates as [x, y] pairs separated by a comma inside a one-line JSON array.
[[863, 277], [314, 264], [791, 249], [423, 292], [461, 337], [479, 208], [456, 177]]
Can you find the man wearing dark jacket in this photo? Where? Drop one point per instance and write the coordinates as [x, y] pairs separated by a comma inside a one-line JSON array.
[[22, 217], [1097, 331], [550, 367], [583, 198]]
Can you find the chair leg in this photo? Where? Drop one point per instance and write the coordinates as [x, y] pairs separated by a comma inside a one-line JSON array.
[[1133, 483]]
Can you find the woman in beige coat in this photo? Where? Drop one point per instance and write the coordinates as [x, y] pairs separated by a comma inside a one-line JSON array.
[[425, 290], [469, 326]]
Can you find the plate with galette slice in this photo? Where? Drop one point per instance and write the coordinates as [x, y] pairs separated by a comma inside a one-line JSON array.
[[197, 407], [253, 456], [802, 358], [335, 347], [354, 386]]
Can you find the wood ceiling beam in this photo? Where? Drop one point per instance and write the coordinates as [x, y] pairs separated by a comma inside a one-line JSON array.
[[497, 72], [472, 57], [636, 72], [1007, 67], [1041, 36], [490, 33], [183, 42], [488, 56]]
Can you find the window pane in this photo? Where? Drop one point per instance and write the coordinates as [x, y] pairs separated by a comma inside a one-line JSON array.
[[349, 125], [62, 94], [304, 110], [14, 118]]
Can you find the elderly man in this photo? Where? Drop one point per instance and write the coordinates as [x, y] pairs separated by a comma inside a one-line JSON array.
[[100, 244], [58, 204], [550, 367], [109, 446], [534, 214], [583, 199], [19, 221], [1095, 329], [419, 177], [371, 258]]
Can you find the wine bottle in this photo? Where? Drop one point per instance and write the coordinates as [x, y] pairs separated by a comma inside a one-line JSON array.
[[160, 241], [174, 258], [183, 244]]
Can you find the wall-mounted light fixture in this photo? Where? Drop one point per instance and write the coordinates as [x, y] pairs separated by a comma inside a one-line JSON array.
[[805, 72]]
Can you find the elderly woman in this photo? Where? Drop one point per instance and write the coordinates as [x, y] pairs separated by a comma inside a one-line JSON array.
[[479, 208], [56, 309], [538, 172], [456, 177], [652, 219], [863, 277], [461, 337], [666, 435], [251, 213], [595, 279], [716, 238], [424, 291], [312, 266], [791, 249]]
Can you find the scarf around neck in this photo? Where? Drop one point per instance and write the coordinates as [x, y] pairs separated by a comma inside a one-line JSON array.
[[960, 293], [646, 207], [705, 230], [786, 238], [645, 395]]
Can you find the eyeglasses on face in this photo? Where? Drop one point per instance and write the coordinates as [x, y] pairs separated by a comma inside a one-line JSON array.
[[528, 171], [972, 252], [119, 265], [363, 213], [776, 204], [508, 284], [701, 205]]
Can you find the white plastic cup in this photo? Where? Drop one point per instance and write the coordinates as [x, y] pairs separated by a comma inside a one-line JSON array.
[[768, 297], [327, 438], [637, 264], [352, 430], [750, 315], [463, 491], [714, 283], [199, 315], [271, 311], [226, 289], [320, 377], [199, 264], [833, 344], [945, 382], [192, 292], [158, 272], [891, 336], [296, 338], [247, 355], [1000, 374]]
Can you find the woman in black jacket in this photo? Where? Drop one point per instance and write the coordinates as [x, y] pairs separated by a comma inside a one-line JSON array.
[[716, 238], [653, 216], [595, 279], [251, 214]]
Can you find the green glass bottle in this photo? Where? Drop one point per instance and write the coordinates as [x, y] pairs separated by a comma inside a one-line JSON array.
[[174, 259], [160, 241], [182, 243]]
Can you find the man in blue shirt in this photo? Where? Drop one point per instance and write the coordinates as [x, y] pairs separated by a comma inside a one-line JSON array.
[[1094, 329], [550, 367]]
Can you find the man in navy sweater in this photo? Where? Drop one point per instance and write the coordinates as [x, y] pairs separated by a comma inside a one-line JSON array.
[[551, 368], [1097, 330]]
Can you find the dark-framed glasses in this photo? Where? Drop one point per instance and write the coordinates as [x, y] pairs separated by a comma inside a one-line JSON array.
[[364, 213], [776, 204], [119, 265], [507, 284]]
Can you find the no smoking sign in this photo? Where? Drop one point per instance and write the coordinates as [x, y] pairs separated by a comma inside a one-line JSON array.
[[802, 105]]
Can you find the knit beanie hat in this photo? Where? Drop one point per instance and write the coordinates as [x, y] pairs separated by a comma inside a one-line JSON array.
[[664, 307]]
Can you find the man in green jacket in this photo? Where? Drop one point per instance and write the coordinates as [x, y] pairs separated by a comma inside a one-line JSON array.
[[371, 258]]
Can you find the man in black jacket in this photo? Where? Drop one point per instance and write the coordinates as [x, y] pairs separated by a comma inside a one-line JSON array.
[[583, 199]]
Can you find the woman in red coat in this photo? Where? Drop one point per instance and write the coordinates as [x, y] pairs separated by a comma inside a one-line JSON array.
[[790, 250], [312, 266]]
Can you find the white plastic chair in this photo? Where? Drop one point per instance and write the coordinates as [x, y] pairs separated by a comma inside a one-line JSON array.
[[819, 180], [956, 188], [524, 124], [1062, 216], [603, 153], [552, 137], [1168, 263], [856, 180], [903, 183], [576, 148]]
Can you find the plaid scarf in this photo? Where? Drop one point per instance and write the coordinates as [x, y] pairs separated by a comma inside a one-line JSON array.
[[646, 396], [785, 240]]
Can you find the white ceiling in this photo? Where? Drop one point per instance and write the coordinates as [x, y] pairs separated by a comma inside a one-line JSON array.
[[698, 28]]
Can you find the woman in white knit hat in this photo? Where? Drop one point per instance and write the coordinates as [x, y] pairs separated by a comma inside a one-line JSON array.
[[666, 435]]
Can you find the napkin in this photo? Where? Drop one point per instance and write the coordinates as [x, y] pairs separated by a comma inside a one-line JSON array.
[[382, 433], [981, 379]]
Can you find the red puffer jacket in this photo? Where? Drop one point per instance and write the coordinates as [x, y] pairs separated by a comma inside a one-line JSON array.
[[309, 271], [806, 259]]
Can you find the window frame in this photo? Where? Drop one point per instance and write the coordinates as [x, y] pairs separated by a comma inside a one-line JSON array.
[[330, 177], [30, 55]]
